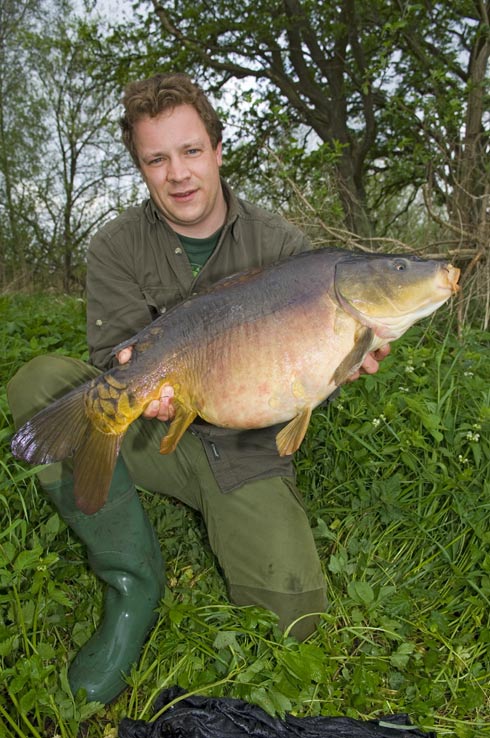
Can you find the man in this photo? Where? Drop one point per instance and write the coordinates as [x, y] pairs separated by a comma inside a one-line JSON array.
[[191, 232]]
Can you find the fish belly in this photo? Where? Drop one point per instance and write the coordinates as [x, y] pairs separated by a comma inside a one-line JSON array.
[[267, 371]]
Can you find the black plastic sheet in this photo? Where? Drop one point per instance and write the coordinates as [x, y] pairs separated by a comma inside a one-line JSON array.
[[217, 717]]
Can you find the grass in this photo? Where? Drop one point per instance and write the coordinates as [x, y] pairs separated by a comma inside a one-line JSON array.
[[396, 478]]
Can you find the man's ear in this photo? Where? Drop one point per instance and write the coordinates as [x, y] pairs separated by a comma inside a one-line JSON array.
[[219, 153]]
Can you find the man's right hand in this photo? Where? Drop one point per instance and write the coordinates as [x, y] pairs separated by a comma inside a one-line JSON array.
[[162, 409]]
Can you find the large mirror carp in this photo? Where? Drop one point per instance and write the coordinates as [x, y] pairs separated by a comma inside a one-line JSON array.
[[262, 347]]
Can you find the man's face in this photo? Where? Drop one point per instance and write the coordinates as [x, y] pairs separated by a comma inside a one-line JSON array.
[[181, 170]]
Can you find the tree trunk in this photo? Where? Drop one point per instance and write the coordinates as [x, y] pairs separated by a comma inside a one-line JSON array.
[[471, 198]]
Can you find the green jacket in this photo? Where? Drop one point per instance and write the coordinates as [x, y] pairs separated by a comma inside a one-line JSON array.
[[137, 269]]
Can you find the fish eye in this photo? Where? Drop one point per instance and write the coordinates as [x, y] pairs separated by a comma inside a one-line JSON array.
[[400, 265]]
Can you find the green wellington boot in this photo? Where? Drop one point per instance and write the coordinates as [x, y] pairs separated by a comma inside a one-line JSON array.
[[124, 552]]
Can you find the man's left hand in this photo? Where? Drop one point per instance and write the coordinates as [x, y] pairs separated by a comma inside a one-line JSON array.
[[370, 365]]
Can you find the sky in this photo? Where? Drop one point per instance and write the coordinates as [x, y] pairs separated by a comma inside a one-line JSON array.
[[111, 9]]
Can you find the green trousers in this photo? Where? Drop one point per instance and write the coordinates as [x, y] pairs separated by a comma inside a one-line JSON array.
[[259, 532]]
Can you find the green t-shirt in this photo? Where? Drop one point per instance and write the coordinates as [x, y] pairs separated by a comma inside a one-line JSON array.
[[199, 250]]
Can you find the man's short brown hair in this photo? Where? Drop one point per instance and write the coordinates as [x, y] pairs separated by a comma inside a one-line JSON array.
[[162, 92]]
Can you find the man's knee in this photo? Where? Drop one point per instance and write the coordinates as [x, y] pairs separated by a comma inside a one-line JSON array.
[[41, 381], [263, 540], [299, 612]]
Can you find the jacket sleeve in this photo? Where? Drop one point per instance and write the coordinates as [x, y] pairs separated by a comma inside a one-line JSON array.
[[277, 238], [116, 307], [295, 242]]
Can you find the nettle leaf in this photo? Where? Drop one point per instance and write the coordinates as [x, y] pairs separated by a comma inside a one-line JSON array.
[[338, 562], [90, 709], [28, 700], [257, 666], [18, 683], [176, 615], [46, 651], [7, 553], [82, 630], [322, 531], [6, 578], [57, 595], [51, 528], [307, 664], [400, 657], [361, 592], [7, 646], [281, 702], [63, 679], [226, 639], [477, 454], [28, 611], [260, 697], [28, 559]]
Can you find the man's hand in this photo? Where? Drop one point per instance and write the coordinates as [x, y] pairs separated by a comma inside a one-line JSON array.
[[162, 409], [370, 365]]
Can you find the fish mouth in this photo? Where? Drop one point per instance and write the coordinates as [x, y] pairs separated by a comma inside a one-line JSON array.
[[451, 278]]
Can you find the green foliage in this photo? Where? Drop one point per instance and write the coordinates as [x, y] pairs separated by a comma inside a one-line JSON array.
[[397, 473], [396, 95], [62, 166], [395, 476]]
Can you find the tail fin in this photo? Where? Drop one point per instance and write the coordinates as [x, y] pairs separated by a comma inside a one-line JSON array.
[[62, 430], [55, 433]]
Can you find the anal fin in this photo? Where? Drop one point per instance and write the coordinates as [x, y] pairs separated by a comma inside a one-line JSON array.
[[182, 420], [93, 467], [289, 439]]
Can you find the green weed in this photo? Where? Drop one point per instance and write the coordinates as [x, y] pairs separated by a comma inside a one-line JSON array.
[[395, 475]]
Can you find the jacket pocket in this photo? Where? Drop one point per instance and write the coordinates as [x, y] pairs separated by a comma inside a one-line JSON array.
[[160, 299]]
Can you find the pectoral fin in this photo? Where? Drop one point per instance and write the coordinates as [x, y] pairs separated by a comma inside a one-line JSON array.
[[182, 420], [355, 357], [289, 439]]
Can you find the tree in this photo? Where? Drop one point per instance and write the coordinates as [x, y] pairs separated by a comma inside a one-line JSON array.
[[385, 90], [83, 185], [439, 110], [315, 59], [19, 134], [62, 166]]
